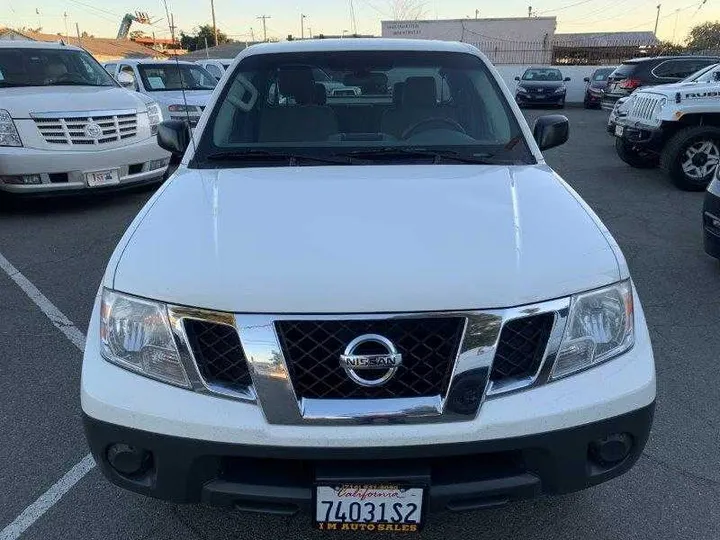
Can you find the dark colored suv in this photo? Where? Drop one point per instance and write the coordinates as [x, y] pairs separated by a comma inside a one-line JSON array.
[[633, 74]]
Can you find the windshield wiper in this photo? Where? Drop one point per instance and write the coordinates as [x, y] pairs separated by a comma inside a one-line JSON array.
[[268, 155], [73, 83], [436, 156]]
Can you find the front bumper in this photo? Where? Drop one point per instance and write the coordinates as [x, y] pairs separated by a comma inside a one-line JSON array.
[[64, 170], [276, 479], [711, 220], [649, 138], [540, 99], [608, 100]]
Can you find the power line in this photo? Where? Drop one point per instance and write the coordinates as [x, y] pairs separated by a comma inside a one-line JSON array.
[[565, 7]]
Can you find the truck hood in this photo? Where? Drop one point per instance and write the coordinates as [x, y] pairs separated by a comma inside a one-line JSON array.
[[21, 102], [363, 239], [687, 90], [193, 97]]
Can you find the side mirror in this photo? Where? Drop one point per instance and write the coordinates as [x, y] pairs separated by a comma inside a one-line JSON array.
[[586, 79], [716, 76], [173, 136], [126, 80], [567, 79], [551, 130], [517, 78]]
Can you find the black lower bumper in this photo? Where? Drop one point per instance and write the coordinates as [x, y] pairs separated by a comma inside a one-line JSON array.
[[280, 480], [648, 138], [526, 100], [711, 220]]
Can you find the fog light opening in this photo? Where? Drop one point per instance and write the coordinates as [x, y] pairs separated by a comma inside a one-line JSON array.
[[129, 460], [611, 450]]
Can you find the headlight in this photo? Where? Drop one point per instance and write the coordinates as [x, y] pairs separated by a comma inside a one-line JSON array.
[[8, 132], [182, 108], [135, 334], [560, 90], [522, 89], [658, 108], [155, 116], [600, 327]]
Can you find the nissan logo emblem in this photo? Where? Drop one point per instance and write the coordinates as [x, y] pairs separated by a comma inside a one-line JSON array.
[[359, 367]]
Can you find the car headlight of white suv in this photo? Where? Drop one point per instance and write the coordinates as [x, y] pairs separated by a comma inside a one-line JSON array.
[[9, 135], [600, 326], [135, 334]]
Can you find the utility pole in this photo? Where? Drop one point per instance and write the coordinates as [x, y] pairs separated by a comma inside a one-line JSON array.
[[477, 13], [212, 8], [264, 18], [302, 26], [252, 34], [529, 11], [77, 28], [67, 37], [172, 26], [207, 53], [657, 19]]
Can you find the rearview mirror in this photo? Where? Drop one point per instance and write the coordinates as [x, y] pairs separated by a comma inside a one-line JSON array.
[[517, 78], [567, 79], [551, 130], [173, 136], [126, 80]]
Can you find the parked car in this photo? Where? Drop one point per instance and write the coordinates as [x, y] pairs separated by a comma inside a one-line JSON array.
[[65, 125], [641, 72], [711, 219], [676, 126], [368, 310], [595, 86], [216, 67], [181, 88], [541, 86]]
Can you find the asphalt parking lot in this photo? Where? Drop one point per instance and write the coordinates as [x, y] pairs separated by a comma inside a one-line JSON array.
[[62, 247]]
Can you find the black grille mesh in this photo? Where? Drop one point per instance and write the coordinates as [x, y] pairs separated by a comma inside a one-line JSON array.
[[218, 353], [312, 351], [521, 347]]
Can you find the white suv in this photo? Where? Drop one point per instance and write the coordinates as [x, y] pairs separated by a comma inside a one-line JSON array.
[[65, 125], [366, 310]]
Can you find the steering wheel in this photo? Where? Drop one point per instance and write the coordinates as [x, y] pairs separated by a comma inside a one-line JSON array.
[[432, 123]]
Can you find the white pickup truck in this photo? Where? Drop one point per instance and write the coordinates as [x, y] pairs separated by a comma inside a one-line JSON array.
[[676, 126], [366, 310]]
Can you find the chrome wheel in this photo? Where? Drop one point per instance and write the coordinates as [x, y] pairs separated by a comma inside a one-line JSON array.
[[700, 159]]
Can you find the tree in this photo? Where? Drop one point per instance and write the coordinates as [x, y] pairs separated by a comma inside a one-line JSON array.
[[408, 10], [202, 33], [704, 36]]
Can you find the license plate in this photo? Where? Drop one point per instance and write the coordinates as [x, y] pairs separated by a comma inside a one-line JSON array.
[[619, 131], [102, 178], [369, 508]]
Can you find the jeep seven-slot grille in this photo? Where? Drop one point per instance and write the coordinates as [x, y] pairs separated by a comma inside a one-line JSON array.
[[218, 354], [521, 347], [428, 346], [71, 129]]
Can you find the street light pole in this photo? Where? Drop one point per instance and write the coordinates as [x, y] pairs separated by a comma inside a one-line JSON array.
[[212, 8], [302, 26], [657, 19]]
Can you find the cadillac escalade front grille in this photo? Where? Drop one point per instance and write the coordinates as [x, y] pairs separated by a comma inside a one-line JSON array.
[[218, 354], [86, 130], [313, 348], [521, 347]]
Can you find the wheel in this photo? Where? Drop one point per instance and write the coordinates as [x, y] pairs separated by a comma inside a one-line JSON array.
[[633, 157], [691, 156]]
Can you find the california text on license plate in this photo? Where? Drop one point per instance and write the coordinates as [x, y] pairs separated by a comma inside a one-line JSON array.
[[369, 507], [102, 178]]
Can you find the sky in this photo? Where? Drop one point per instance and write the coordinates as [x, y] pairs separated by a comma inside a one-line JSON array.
[[237, 18]]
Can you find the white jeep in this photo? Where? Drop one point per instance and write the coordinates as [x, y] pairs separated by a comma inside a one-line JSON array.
[[365, 310], [674, 125]]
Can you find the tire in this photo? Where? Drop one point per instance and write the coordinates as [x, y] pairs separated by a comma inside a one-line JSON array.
[[692, 171], [634, 158]]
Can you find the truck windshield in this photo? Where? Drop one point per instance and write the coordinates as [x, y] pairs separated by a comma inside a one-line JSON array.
[[50, 67], [361, 106], [160, 77]]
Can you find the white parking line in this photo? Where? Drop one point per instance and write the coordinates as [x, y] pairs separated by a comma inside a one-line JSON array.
[[43, 503], [31, 514]]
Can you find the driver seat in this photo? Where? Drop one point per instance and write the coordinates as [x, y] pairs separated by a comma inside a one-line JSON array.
[[418, 102]]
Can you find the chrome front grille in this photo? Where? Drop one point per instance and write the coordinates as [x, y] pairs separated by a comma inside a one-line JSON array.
[[72, 128], [428, 346], [645, 108]]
